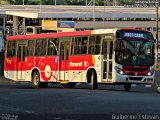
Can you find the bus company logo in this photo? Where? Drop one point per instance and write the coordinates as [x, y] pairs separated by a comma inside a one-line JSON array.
[[135, 73], [9, 61], [86, 64], [79, 64]]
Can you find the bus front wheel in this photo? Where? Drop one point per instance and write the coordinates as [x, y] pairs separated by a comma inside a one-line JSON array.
[[36, 79], [127, 87]]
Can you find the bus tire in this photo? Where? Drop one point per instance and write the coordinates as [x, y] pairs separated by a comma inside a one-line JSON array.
[[93, 78], [36, 79], [127, 87]]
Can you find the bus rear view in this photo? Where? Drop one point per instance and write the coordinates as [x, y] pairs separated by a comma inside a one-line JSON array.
[[134, 57]]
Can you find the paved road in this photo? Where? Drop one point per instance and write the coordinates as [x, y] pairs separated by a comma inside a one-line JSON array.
[[21, 101]]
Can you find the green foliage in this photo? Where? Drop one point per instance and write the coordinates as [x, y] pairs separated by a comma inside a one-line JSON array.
[[99, 2], [126, 2], [74, 2], [47, 2], [69, 2], [17, 2], [31, 2]]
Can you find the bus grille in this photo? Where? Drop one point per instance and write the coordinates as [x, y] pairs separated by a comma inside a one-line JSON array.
[[136, 78], [135, 71]]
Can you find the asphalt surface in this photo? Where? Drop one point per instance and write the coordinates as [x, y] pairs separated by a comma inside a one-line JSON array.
[[22, 101], [109, 102]]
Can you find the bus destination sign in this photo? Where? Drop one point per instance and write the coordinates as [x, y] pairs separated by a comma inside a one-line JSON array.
[[133, 35]]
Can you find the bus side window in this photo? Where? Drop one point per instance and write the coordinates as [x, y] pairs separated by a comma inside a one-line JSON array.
[[97, 45], [44, 43], [52, 48], [40, 47], [72, 46], [111, 50], [62, 51], [77, 46], [84, 45], [94, 44], [105, 49], [11, 50], [91, 44], [30, 49]]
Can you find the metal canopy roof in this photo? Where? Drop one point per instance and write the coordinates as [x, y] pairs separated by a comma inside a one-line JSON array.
[[50, 11]]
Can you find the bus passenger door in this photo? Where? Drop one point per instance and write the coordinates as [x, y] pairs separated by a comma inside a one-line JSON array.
[[107, 60], [21, 62], [64, 60]]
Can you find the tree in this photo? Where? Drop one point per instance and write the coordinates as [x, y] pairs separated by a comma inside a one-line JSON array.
[[99, 2], [127, 2], [17, 2], [74, 2], [48, 2]]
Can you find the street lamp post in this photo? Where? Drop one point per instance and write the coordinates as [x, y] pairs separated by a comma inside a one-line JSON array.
[[156, 52], [55, 2], [94, 12], [40, 5]]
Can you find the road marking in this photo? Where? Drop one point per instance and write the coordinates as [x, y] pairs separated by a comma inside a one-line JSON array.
[[134, 85], [147, 85], [11, 108]]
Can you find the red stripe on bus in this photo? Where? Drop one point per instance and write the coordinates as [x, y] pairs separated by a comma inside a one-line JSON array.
[[50, 35]]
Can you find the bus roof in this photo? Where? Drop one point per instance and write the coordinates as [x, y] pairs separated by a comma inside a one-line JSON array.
[[66, 34], [133, 29], [61, 34], [49, 35]]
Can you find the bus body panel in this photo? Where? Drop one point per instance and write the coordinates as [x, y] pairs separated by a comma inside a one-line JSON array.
[[10, 68], [75, 68], [135, 78]]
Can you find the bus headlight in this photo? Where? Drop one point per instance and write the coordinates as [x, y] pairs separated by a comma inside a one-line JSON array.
[[119, 70], [150, 72]]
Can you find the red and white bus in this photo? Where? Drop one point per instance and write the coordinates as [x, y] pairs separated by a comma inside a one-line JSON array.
[[110, 56]]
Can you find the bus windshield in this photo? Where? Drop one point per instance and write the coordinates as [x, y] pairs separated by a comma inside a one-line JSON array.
[[134, 52]]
